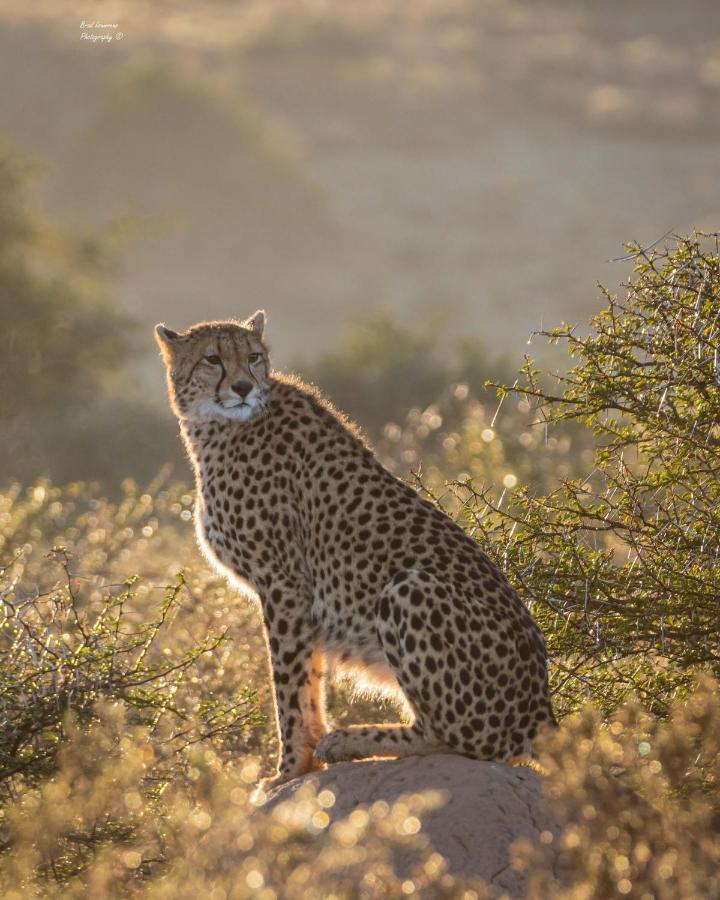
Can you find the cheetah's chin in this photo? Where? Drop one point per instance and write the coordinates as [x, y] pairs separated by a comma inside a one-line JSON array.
[[211, 411], [241, 412]]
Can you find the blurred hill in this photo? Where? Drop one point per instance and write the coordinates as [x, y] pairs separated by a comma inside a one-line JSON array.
[[331, 160]]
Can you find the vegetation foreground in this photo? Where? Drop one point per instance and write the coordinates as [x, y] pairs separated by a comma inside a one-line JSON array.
[[133, 700]]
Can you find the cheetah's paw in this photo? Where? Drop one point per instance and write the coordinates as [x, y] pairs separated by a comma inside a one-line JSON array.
[[334, 747], [267, 787]]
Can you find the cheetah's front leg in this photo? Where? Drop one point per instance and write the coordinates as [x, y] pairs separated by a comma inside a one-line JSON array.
[[298, 673]]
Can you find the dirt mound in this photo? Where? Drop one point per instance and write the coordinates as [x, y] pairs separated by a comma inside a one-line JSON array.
[[489, 805]]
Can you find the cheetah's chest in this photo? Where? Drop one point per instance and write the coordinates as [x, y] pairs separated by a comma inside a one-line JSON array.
[[220, 546], [243, 520]]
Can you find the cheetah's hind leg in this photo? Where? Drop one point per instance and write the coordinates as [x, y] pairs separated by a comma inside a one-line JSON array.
[[398, 636], [435, 643]]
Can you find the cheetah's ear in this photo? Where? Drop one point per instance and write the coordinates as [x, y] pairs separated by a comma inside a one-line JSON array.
[[256, 323], [167, 339]]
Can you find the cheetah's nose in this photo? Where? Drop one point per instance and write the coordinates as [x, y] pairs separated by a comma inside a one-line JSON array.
[[243, 388]]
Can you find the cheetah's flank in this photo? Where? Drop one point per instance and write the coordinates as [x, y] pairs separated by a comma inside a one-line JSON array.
[[352, 567]]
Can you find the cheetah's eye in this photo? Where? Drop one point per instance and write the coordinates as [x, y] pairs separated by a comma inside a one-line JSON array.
[[213, 360], [254, 357]]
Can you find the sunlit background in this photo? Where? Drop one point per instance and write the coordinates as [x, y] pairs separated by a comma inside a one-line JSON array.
[[409, 189]]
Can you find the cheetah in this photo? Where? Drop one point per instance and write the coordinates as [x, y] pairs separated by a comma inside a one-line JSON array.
[[354, 570]]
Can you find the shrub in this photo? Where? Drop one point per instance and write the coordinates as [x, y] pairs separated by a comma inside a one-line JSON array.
[[61, 654], [465, 435], [621, 566], [381, 368], [638, 802], [103, 835], [64, 407], [59, 325], [74, 634]]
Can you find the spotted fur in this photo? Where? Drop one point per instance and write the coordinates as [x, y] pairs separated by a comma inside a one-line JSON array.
[[353, 568]]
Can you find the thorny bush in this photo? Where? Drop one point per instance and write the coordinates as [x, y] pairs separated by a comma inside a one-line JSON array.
[[621, 566]]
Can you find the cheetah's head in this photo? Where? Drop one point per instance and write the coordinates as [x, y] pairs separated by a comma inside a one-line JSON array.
[[217, 370]]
